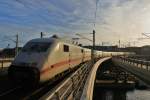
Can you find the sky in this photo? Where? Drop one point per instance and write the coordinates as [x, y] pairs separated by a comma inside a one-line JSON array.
[[115, 20]]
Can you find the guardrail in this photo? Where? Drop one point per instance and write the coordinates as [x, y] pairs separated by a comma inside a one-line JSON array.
[[138, 63], [5, 62], [71, 87], [139, 68]]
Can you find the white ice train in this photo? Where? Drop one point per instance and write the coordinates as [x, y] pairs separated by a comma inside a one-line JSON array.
[[43, 59]]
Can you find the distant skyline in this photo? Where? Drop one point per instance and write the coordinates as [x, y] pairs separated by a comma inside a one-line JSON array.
[[116, 20]]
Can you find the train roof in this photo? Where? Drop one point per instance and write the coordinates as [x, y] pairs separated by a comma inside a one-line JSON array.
[[52, 39], [42, 40]]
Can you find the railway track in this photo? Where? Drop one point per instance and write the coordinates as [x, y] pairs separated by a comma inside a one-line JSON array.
[[26, 93], [29, 93], [9, 92], [41, 91]]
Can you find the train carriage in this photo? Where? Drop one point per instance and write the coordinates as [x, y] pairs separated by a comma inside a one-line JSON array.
[[42, 59]]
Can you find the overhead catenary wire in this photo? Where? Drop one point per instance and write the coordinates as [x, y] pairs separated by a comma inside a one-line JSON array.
[[146, 34], [25, 4]]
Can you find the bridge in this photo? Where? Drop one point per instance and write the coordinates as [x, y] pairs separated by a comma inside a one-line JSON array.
[[80, 84], [137, 67]]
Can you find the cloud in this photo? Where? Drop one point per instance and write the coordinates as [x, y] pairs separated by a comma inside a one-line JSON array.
[[116, 19], [123, 19]]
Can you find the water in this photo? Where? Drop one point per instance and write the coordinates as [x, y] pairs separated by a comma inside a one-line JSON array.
[[138, 95], [105, 94]]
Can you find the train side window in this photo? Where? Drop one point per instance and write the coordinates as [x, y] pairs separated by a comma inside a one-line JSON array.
[[66, 48]]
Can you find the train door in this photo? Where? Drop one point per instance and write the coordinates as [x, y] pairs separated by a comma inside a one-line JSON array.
[[67, 55]]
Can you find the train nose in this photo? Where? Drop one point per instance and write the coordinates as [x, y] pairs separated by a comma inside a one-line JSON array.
[[24, 74]]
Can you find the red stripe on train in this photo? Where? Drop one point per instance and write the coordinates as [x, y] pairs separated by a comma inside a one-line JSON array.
[[59, 64]]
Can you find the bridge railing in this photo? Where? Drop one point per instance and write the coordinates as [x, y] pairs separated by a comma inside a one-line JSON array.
[[138, 63], [87, 93], [71, 86]]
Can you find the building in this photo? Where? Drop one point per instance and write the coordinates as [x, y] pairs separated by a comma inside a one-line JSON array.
[[8, 52]]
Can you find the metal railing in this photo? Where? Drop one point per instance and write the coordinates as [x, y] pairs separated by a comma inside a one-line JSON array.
[[71, 87], [135, 62], [87, 93]]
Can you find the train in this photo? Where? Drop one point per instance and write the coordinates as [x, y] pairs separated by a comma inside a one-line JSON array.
[[42, 59]]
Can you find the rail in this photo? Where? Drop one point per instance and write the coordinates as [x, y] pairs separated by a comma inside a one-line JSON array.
[[71, 87], [135, 62], [89, 85]]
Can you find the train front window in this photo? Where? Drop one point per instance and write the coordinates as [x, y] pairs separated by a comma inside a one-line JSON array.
[[36, 47]]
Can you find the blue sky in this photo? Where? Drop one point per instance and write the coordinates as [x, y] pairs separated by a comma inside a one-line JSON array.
[[116, 19]]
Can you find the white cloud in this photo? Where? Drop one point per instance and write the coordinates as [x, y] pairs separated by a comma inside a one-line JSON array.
[[116, 19], [124, 20]]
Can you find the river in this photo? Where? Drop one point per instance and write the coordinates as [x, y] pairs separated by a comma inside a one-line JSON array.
[[111, 94]]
